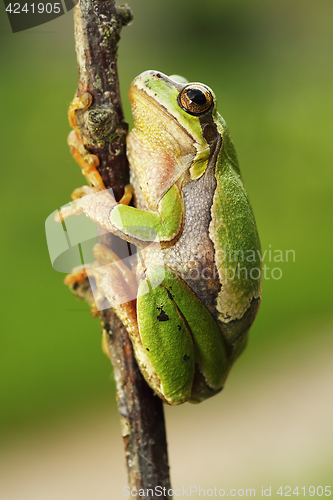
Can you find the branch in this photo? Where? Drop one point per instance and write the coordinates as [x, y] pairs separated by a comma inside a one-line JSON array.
[[97, 32]]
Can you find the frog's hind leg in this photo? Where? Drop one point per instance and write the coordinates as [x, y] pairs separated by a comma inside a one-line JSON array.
[[166, 338], [117, 283], [182, 332], [117, 280], [114, 282], [115, 286]]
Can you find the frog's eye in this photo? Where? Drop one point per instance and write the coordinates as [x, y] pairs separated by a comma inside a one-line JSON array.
[[195, 99]]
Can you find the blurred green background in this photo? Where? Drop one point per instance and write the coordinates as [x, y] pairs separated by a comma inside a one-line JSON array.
[[270, 65]]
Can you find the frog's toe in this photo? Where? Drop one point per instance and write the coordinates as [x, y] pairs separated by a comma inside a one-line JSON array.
[[79, 102], [76, 277], [87, 161], [83, 191]]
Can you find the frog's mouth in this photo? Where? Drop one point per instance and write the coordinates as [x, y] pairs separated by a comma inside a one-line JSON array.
[[167, 150], [153, 120]]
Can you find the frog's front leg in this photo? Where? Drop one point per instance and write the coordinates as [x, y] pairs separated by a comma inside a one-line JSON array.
[[143, 226], [136, 226], [181, 338]]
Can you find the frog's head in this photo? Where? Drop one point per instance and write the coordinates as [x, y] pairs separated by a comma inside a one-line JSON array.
[[173, 131]]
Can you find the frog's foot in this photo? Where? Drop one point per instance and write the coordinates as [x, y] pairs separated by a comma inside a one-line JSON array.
[[83, 191], [78, 275], [114, 283], [79, 102], [64, 212], [95, 203], [87, 190], [87, 161], [127, 196]]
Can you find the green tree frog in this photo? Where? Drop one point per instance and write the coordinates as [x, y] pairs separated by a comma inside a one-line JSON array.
[[199, 287]]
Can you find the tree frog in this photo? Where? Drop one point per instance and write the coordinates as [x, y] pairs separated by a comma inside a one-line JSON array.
[[199, 292]]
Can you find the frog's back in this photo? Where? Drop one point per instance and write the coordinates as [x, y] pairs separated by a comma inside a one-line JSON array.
[[218, 252], [236, 243]]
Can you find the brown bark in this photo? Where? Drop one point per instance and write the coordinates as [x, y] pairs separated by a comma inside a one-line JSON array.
[[103, 129]]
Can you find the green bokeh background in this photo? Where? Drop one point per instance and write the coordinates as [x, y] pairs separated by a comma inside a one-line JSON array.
[[270, 65]]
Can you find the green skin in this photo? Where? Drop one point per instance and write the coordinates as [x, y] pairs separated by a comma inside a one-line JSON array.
[[190, 330]]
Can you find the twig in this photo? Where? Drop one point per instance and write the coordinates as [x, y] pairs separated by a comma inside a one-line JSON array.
[[97, 32]]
